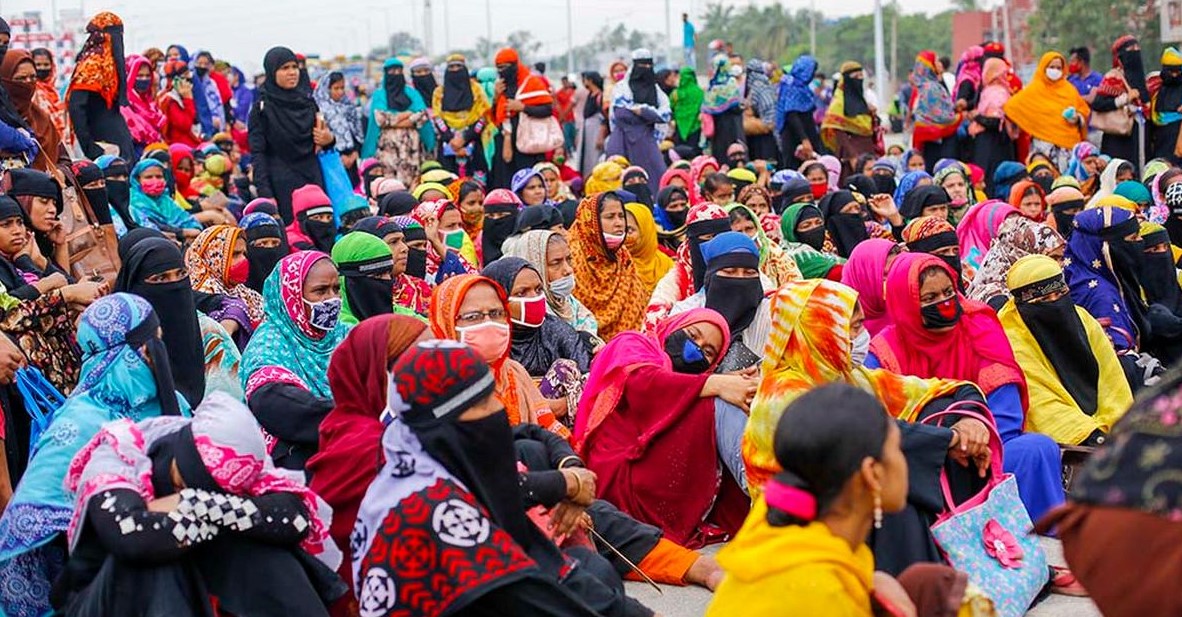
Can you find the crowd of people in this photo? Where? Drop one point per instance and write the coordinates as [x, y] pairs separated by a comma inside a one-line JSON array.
[[470, 342]]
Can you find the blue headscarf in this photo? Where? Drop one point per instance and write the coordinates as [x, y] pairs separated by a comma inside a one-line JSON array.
[[795, 95], [1004, 177], [1090, 275], [243, 96], [157, 212], [115, 383], [426, 132], [907, 183], [257, 219]]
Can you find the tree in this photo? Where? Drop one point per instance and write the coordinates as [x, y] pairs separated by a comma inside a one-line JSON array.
[[1063, 24]]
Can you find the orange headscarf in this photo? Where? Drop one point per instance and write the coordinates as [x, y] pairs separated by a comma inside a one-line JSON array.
[[209, 259], [514, 387], [605, 282], [97, 68], [1038, 108], [530, 89], [1019, 190]]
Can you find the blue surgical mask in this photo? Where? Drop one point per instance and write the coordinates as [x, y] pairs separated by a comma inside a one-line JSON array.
[[325, 314], [563, 287]]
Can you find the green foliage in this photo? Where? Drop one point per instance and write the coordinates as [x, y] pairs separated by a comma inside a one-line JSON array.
[[1063, 24]]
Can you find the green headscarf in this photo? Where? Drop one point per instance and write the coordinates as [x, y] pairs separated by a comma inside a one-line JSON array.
[[687, 103], [761, 239], [353, 254], [813, 264]]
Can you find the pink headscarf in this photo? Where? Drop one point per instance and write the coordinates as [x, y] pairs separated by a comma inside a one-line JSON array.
[[697, 166], [629, 351], [865, 272], [303, 199], [674, 172], [833, 168], [970, 68], [293, 271], [979, 227], [995, 90], [143, 105]]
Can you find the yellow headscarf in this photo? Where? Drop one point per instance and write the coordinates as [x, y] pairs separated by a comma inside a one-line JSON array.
[[605, 176], [429, 186], [1038, 108], [810, 346], [1053, 411], [651, 263]]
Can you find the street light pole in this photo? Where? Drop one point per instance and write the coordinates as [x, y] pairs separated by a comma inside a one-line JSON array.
[[813, 28], [570, 39], [488, 31], [879, 57]]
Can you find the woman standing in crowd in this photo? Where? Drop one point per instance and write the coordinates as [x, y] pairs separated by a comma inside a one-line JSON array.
[[1121, 93], [1051, 110], [398, 124], [285, 132], [460, 115], [637, 107], [519, 91], [98, 88], [593, 128], [933, 112], [687, 110], [17, 73], [794, 114], [763, 144], [142, 115], [343, 117], [848, 127], [993, 134], [724, 103]]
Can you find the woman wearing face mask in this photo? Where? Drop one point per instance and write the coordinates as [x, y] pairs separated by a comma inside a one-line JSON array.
[[1065, 202], [865, 273], [1051, 110], [142, 114], [1017, 237], [450, 250], [177, 106], [98, 89], [794, 113], [219, 264], [642, 244], [848, 127], [1028, 197], [366, 265], [125, 374], [933, 112], [285, 365], [803, 229], [724, 103], [1042, 173], [638, 107], [703, 222], [474, 310], [1163, 296], [19, 77], [152, 207], [285, 132], [1122, 91], [313, 227], [774, 263], [1077, 388], [635, 180], [412, 295], [669, 214], [934, 236], [519, 91], [734, 288], [469, 195], [936, 333], [549, 252], [1165, 104], [501, 209], [993, 135], [343, 117], [845, 224], [265, 246], [633, 445], [606, 276], [115, 173], [977, 231], [460, 117]]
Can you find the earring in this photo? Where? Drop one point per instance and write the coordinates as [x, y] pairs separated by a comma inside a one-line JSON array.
[[877, 511]]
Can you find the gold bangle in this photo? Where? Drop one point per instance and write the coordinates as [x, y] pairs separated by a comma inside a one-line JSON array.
[[566, 459], [578, 484]]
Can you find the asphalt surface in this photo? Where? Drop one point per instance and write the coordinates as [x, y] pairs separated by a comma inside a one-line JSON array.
[[692, 601]]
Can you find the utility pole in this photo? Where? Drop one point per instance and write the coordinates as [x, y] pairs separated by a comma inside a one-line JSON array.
[[488, 32], [879, 57], [570, 39], [428, 30], [1005, 27], [813, 28], [668, 35], [446, 29], [895, 45]]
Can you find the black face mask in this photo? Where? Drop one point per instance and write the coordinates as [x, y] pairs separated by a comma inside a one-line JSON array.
[[1128, 260], [676, 217], [3, 50], [369, 296], [496, 231], [686, 355], [814, 237], [1064, 221], [736, 299], [848, 230], [202, 71], [642, 192], [737, 162], [262, 262], [953, 262], [1045, 181], [43, 74], [97, 198], [323, 235], [416, 262], [1061, 336], [942, 314]]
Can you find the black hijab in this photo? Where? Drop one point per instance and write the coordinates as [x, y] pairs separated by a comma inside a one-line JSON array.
[[1159, 277], [855, 100], [289, 115], [119, 191], [1060, 334], [380, 226], [397, 203], [394, 83], [643, 82], [923, 197], [368, 295], [426, 85], [736, 299], [173, 304], [543, 216], [695, 234], [846, 230], [416, 259], [665, 197], [1134, 68], [8, 113], [862, 184], [457, 89], [496, 231], [263, 260], [636, 182]]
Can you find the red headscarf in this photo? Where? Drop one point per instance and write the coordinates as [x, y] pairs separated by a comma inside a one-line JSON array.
[[530, 90], [178, 153], [975, 350]]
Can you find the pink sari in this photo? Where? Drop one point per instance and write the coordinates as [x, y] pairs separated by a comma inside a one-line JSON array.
[[865, 273]]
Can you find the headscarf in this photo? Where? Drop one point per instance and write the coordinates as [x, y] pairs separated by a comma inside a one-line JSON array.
[[1076, 383], [461, 101], [289, 114], [977, 230], [100, 67], [1107, 181], [1159, 276], [1064, 198], [687, 103], [496, 231], [1091, 272], [811, 262], [760, 93], [520, 83], [996, 91], [810, 346], [174, 305], [22, 95], [395, 97], [774, 263], [722, 93], [143, 105], [159, 211], [651, 264], [343, 117], [1130, 63], [865, 273], [1038, 107], [352, 431], [845, 230], [848, 112], [1165, 102], [607, 280], [116, 382], [969, 69], [970, 193], [796, 94], [1004, 176], [932, 108], [923, 197], [258, 225], [605, 176], [424, 84], [1082, 150], [628, 352], [975, 349], [360, 257], [286, 340], [208, 261], [532, 247], [1019, 190], [1017, 237]]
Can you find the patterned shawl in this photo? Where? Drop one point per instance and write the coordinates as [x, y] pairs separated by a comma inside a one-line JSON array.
[[208, 262], [97, 68], [607, 280], [1017, 237], [532, 248], [932, 108], [977, 230]]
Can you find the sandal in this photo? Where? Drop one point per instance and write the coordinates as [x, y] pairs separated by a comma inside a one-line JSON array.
[[1064, 583]]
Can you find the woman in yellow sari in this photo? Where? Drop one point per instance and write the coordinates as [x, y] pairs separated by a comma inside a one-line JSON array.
[[1066, 357], [848, 127], [651, 263], [816, 324]]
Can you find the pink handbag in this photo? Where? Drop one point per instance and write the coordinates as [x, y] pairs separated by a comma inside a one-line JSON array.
[[538, 135]]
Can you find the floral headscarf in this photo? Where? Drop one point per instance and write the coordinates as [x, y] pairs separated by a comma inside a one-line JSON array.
[[208, 262], [607, 280], [1017, 237]]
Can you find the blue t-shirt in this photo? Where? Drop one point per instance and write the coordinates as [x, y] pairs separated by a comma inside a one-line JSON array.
[[1085, 83], [687, 35]]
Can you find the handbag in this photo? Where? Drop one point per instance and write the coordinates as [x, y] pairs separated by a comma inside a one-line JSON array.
[[989, 535], [91, 253], [1116, 122], [538, 135], [41, 400]]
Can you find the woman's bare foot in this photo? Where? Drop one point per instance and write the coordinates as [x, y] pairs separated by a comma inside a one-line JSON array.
[[705, 572]]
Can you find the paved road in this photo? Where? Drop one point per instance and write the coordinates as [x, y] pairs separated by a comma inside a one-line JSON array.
[[692, 601]]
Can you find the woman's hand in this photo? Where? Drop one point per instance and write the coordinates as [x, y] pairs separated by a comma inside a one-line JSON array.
[[514, 105], [165, 504], [970, 440], [84, 293], [321, 136], [883, 205], [888, 590], [507, 147], [580, 485], [567, 517], [56, 233], [558, 407], [738, 390]]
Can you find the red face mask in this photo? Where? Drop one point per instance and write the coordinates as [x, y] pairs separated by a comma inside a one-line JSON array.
[[182, 177], [1074, 67], [819, 189], [238, 272], [533, 311]]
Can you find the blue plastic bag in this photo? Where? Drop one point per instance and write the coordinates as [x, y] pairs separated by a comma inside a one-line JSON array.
[[41, 400], [336, 182]]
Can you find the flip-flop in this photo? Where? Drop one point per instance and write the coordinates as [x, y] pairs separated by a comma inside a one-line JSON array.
[[1064, 583]]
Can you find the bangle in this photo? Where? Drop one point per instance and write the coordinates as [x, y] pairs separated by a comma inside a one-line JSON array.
[[574, 460], [578, 484]]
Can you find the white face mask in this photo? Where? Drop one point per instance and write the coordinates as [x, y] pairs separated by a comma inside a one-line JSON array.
[[563, 287], [1054, 74], [860, 348], [736, 70]]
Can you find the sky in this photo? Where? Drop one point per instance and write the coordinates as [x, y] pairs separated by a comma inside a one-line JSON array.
[[243, 30]]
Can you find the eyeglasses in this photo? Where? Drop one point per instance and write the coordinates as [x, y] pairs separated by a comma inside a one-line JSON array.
[[28, 79], [475, 317]]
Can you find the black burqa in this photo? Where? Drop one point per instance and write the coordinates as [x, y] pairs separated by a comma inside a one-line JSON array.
[[457, 90], [281, 121], [845, 230], [696, 234], [174, 305], [643, 82], [262, 260], [394, 83], [425, 84], [1060, 334], [855, 99], [119, 191], [497, 230]]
